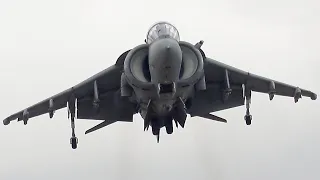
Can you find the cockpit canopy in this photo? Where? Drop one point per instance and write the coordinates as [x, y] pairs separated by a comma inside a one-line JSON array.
[[162, 29]]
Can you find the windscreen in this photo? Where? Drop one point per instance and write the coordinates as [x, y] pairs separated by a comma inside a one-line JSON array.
[[162, 29]]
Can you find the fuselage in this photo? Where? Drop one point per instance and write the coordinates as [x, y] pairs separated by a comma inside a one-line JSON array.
[[165, 58], [161, 76]]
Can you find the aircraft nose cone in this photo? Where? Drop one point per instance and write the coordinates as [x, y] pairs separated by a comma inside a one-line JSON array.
[[165, 57]]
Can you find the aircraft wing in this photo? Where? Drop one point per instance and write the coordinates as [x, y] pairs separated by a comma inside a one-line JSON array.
[[212, 99], [107, 82], [216, 73]]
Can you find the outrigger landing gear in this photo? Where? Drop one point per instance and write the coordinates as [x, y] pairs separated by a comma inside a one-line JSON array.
[[248, 116], [73, 139], [72, 110], [74, 142]]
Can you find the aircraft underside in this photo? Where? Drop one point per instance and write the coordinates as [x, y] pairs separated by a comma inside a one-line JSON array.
[[162, 76], [178, 114], [164, 80]]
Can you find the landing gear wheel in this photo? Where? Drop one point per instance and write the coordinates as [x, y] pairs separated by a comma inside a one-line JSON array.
[[169, 127], [155, 130], [74, 142], [158, 138], [248, 119], [51, 114], [155, 127]]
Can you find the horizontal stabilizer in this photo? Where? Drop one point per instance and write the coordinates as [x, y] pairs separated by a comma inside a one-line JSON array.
[[99, 126], [213, 117]]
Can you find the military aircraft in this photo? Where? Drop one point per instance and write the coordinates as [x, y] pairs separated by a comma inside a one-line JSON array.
[[163, 79]]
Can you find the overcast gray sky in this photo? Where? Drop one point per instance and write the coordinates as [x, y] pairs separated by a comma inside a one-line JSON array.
[[48, 46]]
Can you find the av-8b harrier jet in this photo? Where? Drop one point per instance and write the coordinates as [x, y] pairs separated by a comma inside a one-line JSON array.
[[163, 79]]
